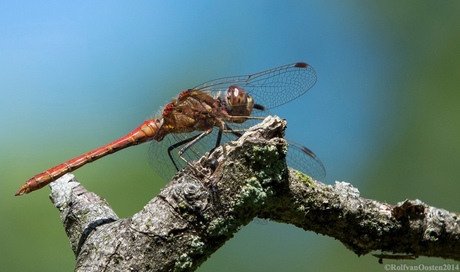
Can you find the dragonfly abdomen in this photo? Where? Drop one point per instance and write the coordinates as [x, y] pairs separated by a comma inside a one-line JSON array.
[[144, 133]]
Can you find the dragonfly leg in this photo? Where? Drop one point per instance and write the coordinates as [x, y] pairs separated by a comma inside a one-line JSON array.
[[228, 129], [174, 146], [191, 141], [187, 143]]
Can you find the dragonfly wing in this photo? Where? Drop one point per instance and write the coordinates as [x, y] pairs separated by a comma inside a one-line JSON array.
[[303, 159], [270, 88], [298, 156]]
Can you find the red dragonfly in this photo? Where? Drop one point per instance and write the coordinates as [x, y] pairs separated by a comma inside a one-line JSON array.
[[230, 104]]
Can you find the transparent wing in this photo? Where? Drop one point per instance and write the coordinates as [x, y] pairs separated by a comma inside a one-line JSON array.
[[298, 157], [270, 88], [303, 159]]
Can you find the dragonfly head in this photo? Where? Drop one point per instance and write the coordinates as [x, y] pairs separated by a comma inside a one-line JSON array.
[[238, 103]]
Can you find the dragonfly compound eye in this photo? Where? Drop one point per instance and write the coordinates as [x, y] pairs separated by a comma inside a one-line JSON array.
[[238, 103], [236, 96]]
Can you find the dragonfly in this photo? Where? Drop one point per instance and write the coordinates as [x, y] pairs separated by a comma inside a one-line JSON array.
[[202, 118]]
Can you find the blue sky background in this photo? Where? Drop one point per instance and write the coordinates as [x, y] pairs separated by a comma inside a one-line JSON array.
[[74, 76]]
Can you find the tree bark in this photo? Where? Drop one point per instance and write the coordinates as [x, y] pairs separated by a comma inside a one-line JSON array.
[[205, 204]]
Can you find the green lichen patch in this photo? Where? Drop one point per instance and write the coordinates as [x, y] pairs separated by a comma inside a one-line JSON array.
[[183, 262], [196, 243], [223, 226], [307, 180], [267, 163], [252, 193]]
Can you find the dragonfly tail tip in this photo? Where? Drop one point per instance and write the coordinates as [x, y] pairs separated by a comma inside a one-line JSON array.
[[21, 191]]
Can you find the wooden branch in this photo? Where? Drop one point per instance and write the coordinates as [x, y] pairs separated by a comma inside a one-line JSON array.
[[204, 206]]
